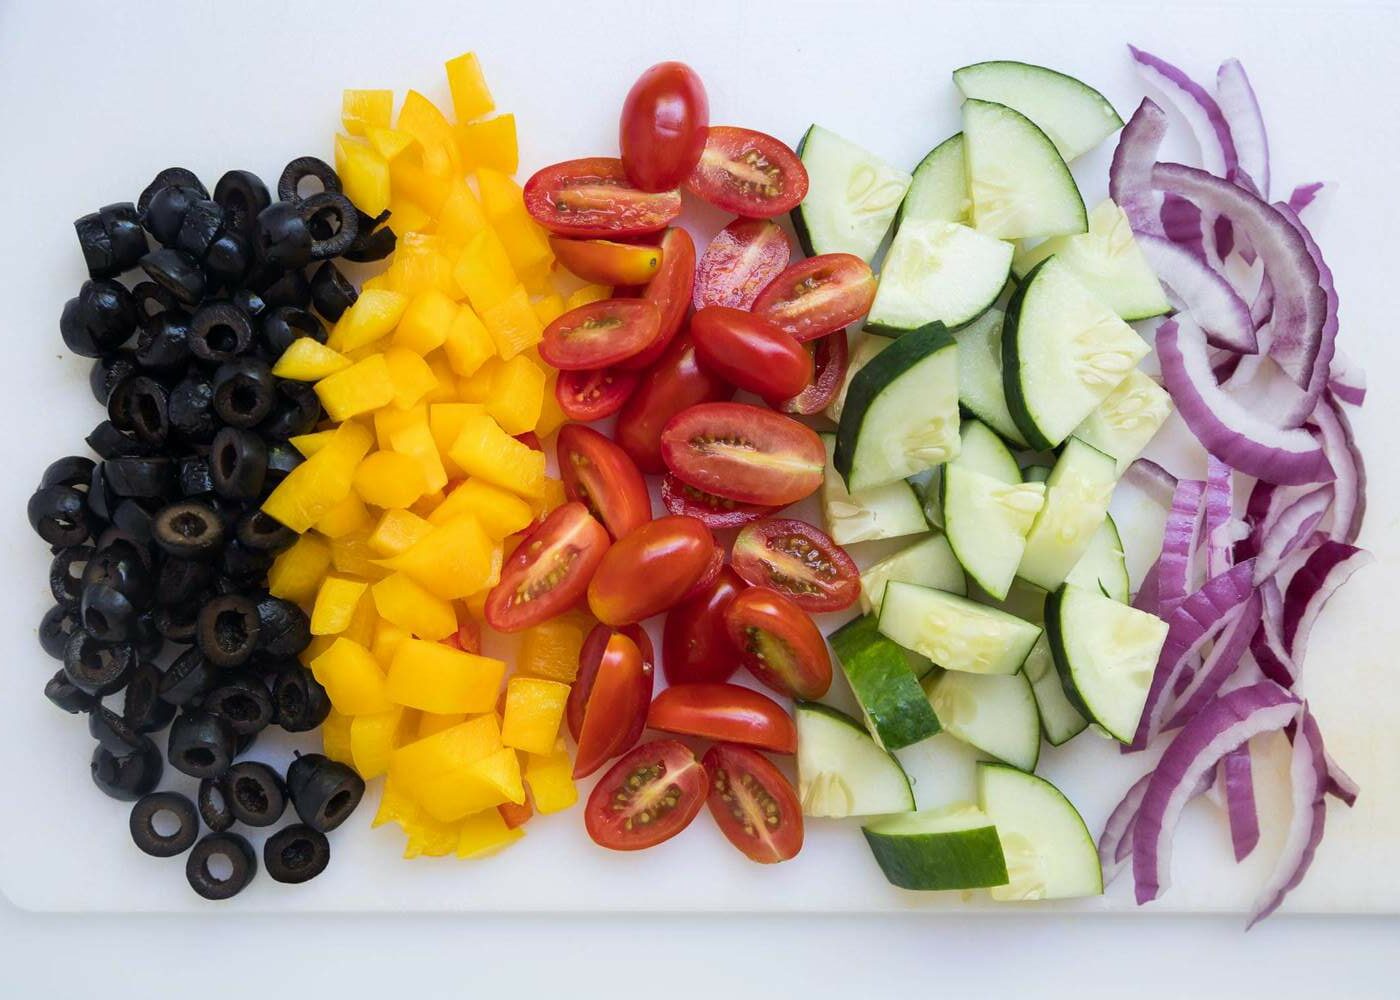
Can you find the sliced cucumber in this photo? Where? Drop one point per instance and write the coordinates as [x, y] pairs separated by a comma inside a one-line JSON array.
[[1073, 114], [983, 451], [955, 847], [841, 771], [1076, 503], [852, 196], [901, 412], [1060, 721], [981, 390], [1036, 473], [889, 511], [1128, 418], [954, 632], [1109, 263], [987, 520], [938, 272], [895, 709], [939, 189], [997, 714], [1103, 565], [929, 563], [863, 348], [1048, 849], [933, 507], [1105, 653], [1019, 184], [1063, 351]]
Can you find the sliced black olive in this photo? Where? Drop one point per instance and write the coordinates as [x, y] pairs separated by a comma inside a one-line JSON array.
[[141, 405], [243, 195], [99, 319], [100, 498], [263, 533], [297, 411], [324, 792], [177, 272], [59, 514], [220, 332], [163, 346], [285, 324], [108, 372], [376, 246], [189, 529], [203, 222], [228, 259], [284, 629], [305, 168], [228, 630], [107, 614], [142, 706], [122, 224], [256, 794], [280, 286], [66, 695], [333, 223], [201, 745], [177, 622], [241, 862], [56, 628], [283, 238], [98, 254], [127, 776], [121, 563], [229, 510], [243, 701], [331, 292], [238, 562], [214, 805], [110, 442], [98, 668], [189, 678], [152, 300], [191, 409], [162, 809], [249, 301], [164, 212], [238, 461], [194, 476], [302, 703], [134, 518], [282, 458], [243, 392], [112, 731], [181, 581], [66, 574], [170, 175], [296, 854], [150, 478], [146, 637]]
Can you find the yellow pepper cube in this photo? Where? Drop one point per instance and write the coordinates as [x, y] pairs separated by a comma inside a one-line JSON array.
[[387, 637], [373, 315], [517, 395], [375, 282], [501, 197], [534, 707], [445, 420], [551, 650], [455, 560], [526, 245], [461, 216], [310, 444], [552, 417], [405, 603], [335, 737], [335, 604], [499, 512], [296, 573], [364, 174], [501, 770], [490, 143], [552, 498], [318, 645], [322, 481], [432, 723], [361, 110], [414, 765], [364, 623], [374, 738], [364, 386], [423, 120], [408, 216], [471, 98], [416, 191], [395, 806], [388, 479], [308, 360], [485, 833], [588, 293], [345, 518], [548, 307], [420, 264], [427, 503], [428, 837], [512, 324], [352, 679], [477, 387], [425, 322], [389, 142], [482, 449], [438, 678], [417, 442], [352, 556], [491, 781], [390, 419], [469, 344], [397, 531], [412, 377], [551, 780], [446, 389], [483, 270]]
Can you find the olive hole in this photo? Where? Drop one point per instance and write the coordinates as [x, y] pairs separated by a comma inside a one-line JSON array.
[[199, 757], [165, 823], [308, 185], [338, 803], [188, 524], [239, 708], [96, 621], [222, 337], [298, 854], [218, 867], [230, 630], [228, 460], [244, 398], [250, 795], [291, 702], [147, 412]]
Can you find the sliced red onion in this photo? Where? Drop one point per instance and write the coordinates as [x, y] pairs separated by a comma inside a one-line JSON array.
[[1202, 114], [1303, 195], [1269, 650], [1238, 779], [1339, 445], [1219, 509], [1307, 771], [1340, 785], [1256, 511], [1263, 305], [1290, 529], [1221, 664], [1130, 175], [1322, 365], [1116, 842], [1329, 566], [1183, 226], [1171, 573], [1199, 289], [1347, 380], [1240, 109]]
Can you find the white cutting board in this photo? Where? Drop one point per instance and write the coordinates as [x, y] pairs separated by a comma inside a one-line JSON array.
[[96, 103]]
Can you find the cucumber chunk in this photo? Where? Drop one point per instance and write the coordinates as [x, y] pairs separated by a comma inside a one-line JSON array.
[[938, 192], [1019, 184], [1103, 565], [929, 563], [889, 511], [954, 632], [997, 714], [901, 412], [987, 520], [1060, 721], [1073, 114], [1048, 850], [896, 712], [852, 196], [983, 451], [840, 769], [981, 389], [1063, 352], [1105, 653], [938, 272], [865, 346], [955, 847], [1076, 504], [1128, 418]]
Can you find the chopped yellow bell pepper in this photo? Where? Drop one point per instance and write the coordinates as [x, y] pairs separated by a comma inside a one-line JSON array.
[[551, 416], [373, 315], [485, 833], [396, 532], [361, 110], [335, 737], [445, 420], [405, 603], [483, 449], [483, 271], [421, 264], [387, 637], [318, 645], [409, 216], [534, 708], [374, 738], [363, 624], [296, 573], [432, 723], [501, 197], [499, 512], [471, 98], [390, 419], [431, 838], [335, 604], [517, 395], [388, 143], [395, 806], [551, 498], [483, 784], [548, 307], [364, 386], [310, 444], [477, 387], [345, 518], [461, 216], [469, 344], [526, 246], [489, 143], [422, 119], [551, 649], [388, 479], [438, 678], [352, 678], [416, 441], [512, 324], [415, 765], [453, 561], [323, 480], [446, 389], [425, 322], [551, 779], [588, 293], [308, 360], [412, 377], [352, 556], [364, 174]]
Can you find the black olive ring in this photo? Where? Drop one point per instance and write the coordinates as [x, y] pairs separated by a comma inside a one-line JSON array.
[[300, 169], [331, 213]]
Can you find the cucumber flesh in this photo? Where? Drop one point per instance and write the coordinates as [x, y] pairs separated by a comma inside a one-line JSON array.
[[1128, 418], [1060, 721], [865, 347], [1074, 115], [997, 714], [987, 521], [954, 632], [1076, 504], [938, 272], [889, 511], [1020, 186], [929, 563], [956, 847], [981, 389], [840, 769], [1103, 565], [938, 192], [895, 710], [1048, 849], [983, 451], [852, 196]]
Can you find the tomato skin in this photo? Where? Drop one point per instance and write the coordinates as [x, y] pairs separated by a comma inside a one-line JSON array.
[[740, 262], [669, 291], [617, 697], [629, 788], [590, 198], [590, 657], [570, 541], [818, 296], [662, 131], [754, 805], [650, 570], [799, 561], [779, 643], [744, 452], [715, 511], [830, 359], [599, 475], [728, 713], [600, 334], [750, 352], [606, 261], [675, 383], [516, 815], [594, 393], [748, 173], [695, 644]]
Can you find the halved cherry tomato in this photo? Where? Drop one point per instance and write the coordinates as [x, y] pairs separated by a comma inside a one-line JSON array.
[[591, 198], [695, 645], [750, 352], [600, 334], [739, 263], [619, 694], [669, 291], [647, 797], [799, 561], [748, 173], [590, 657], [676, 382], [779, 644], [717, 512], [754, 804], [819, 295], [594, 393], [662, 132], [529, 439], [516, 815], [744, 452], [651, 569], [467, 638], [607, 262], [830, 358], [725, 712], [599, 475], [549, 571]]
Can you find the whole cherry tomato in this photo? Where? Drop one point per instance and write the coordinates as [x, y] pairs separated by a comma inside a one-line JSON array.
[[651, 569], [748, 351], [695, 643], [675, 383], [726, 712], [662, 132]]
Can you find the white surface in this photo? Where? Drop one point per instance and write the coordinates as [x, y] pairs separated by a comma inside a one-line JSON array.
[[98, 104]]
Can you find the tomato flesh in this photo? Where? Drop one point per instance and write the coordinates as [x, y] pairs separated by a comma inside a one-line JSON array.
[[779, 644], [739, 263], [618, 695], [591, 198], [744, 452], [647, 797], [676, 382], [607, 262], [755, 806], [594, 393], [750, 352], [662, 131], [599, 475], [818, 296], [600, 334], [830, 359], [590, 657], [670, 292], [651, 569], [695, 644], [799, 561], [717, 512], [549, 571], [748, 173], [725, 712]]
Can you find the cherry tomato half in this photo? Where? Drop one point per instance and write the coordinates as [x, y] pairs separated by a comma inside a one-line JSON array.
[[799, 561], [662, 132], [590, 656], [549, 571], [591, 198], [647, 797], [717, 512], [779, 644], [754, 805], [744, 452], [695, 646], [748, 173], [594, 393], [818, 296], [608, 262], [676, 382], [830, 359], [599, 475], [651, 569], [600, 334], [726, 712], [750, 352], [617, 696], [670, 292], [740, 262]]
